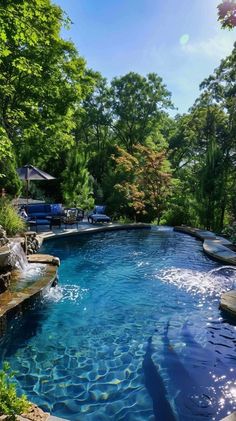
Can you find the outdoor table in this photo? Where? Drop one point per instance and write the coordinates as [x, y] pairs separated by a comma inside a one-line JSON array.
[[54, 220]]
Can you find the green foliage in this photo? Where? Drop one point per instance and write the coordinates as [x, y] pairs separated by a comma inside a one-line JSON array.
[[8, 176], [66, 119], [10, 404], [201, 153], [42, 80], [6, 151], [181, 207], [124, 220], [95, 128], [144, 180], [230, 232], [219, 89], [9, 218], [77, 183], [137, 104]]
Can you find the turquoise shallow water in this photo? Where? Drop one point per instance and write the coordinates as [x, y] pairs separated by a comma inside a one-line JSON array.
[[133, 332]]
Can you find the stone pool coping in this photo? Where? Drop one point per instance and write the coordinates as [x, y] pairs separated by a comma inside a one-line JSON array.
[[216, 247], [86, 228], [51, 418], [213, 245]]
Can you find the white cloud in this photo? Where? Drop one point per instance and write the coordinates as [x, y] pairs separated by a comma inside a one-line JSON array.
[[216, 47]]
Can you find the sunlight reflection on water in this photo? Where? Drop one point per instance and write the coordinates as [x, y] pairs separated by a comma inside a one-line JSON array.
[[211, 283]]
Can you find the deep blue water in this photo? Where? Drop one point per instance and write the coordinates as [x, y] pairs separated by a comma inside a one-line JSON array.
[[133, 331]]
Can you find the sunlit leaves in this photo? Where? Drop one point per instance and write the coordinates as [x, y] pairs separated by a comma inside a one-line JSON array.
[[42, 79], [5, 146]]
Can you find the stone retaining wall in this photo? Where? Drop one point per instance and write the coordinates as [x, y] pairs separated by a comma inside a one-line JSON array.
[[3, 238], [30, 243], [4, 281]]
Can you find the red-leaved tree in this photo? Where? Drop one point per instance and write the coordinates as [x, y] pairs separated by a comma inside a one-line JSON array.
[[227, 13]]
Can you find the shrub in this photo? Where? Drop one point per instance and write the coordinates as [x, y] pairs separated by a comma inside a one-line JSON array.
[[124, 220], [10, 403], [9, 218], [230, 232]]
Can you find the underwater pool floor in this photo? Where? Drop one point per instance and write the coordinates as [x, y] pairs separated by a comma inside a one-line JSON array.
[[133, 331]]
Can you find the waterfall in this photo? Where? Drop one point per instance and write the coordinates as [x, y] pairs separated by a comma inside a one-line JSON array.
[[18, 259]]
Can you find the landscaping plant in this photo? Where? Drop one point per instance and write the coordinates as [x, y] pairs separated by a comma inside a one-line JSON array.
[[9, 219], [10, 404]]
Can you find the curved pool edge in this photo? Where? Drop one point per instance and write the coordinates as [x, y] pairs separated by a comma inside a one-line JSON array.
[[228, 302], [88, 229], [217, 248], [213, 245]]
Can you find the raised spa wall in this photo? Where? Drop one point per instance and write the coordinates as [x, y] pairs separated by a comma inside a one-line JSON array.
[[14, 296]]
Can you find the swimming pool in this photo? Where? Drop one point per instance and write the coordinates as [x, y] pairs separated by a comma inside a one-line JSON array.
[[132, 332]]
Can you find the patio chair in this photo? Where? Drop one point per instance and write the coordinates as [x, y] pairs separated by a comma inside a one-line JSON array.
[[70, 216], [80, 214], [98, 215]]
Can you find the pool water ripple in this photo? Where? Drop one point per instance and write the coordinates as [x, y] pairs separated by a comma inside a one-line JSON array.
[[80, 353]]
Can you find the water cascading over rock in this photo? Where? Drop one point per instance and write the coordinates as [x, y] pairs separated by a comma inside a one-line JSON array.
[[12, 256], [17, 257], [5, 267]]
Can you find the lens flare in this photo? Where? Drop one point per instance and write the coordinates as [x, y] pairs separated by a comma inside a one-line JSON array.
[[184, 39]]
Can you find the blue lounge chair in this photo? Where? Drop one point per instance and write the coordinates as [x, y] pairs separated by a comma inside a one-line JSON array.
[[98, 215]]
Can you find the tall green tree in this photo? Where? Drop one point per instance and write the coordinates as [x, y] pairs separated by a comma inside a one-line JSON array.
[[137, 105], [220, 88], [9, 179], [93, 128], [77, 184], [199, 155], [42, 78], [213, 174]]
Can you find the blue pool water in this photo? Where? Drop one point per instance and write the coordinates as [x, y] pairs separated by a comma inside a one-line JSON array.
[[133, 332]]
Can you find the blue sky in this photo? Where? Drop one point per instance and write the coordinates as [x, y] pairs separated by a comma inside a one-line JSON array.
[[181, 40]]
